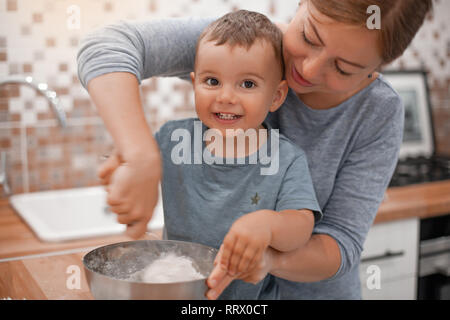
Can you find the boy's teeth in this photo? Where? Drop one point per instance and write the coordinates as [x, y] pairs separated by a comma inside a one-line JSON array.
[[227, 116]]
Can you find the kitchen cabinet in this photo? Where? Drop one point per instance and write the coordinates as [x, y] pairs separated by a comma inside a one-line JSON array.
[[389, 261]]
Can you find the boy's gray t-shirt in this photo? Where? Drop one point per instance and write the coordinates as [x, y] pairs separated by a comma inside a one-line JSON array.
[[202, 197], [352, 149]]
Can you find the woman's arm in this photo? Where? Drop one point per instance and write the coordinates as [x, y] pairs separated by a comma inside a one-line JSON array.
[[137, 151], [111, 63], [116, 96], [154, 47], [317, 260]]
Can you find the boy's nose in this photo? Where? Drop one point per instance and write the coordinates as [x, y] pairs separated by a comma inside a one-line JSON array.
[[226, 95]]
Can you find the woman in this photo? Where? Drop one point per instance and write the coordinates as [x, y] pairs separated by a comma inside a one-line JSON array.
[[339, 110]]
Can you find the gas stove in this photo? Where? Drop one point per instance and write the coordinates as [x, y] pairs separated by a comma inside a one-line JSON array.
[[421, 169], [418, 161]]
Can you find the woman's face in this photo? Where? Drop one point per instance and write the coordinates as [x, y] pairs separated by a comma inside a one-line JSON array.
[[325, 56]]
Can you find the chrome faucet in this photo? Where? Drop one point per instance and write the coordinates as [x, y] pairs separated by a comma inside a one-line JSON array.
[[51, 96], [46, 92], [3, 176]]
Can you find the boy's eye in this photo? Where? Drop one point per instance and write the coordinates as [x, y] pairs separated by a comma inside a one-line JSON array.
[[248, 84], [212, 82]]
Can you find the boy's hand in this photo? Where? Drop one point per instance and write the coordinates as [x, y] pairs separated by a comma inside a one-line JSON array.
[[132, 188], [219, 279], [246, 241]]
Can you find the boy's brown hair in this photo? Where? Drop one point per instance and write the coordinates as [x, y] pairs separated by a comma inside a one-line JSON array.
[[243, 28]]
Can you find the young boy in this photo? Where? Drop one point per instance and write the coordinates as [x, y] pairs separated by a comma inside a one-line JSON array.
[[214, 199]]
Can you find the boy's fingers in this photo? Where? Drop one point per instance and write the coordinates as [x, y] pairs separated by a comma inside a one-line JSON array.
[[228, 247], [236, 257], [246, 260], [217, 275], [218, 255], [217, 282], [255, 260], [213, 294]]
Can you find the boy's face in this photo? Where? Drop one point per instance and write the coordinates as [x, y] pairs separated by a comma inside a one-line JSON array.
[[234, 87]]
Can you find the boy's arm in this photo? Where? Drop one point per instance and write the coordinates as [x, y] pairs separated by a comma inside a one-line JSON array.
[[290, 229], [283, 229], [251, 234]]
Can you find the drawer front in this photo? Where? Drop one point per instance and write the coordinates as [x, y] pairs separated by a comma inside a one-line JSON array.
[[392, 248], [399, 289]]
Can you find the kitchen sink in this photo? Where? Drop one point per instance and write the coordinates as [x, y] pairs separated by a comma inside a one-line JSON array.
[[61, 215]]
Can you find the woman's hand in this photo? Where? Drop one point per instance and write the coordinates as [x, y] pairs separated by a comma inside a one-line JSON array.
[[132, 187], [219, 278]]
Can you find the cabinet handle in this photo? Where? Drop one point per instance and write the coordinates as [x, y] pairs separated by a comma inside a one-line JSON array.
[[387, 255], [445, 271]]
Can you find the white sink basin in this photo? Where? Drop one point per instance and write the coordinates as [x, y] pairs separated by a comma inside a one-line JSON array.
[[69, 214]]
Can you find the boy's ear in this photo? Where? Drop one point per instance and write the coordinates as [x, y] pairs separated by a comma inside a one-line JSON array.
[[192, 74], [280, 96]]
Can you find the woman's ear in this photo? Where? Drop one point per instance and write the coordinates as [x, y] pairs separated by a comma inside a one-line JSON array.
[[192, 74], [279, 96]]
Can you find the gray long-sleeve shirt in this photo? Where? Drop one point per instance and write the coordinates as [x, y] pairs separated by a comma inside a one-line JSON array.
[[352, 149]]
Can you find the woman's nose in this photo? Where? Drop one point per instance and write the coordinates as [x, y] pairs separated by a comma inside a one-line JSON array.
[[226, 95], [312, 68]]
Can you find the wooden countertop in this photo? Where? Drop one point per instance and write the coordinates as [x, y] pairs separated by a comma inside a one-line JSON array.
[[18, 239], [420, 200], [32, 269], [46, 277]]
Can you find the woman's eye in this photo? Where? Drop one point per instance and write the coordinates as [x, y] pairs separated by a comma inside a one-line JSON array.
[[306, 39], [212, 82], [248, 84], [339, 70]]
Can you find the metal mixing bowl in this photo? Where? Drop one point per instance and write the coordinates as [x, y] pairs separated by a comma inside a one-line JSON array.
[[108, 268]]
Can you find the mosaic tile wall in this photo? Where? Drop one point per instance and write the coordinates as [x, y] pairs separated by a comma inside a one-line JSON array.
[[40, 38]]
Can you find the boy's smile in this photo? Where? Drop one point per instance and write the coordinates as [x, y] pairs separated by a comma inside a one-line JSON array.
[[235, 87]]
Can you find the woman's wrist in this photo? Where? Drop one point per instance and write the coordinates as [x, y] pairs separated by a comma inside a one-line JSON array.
[[147, 152]]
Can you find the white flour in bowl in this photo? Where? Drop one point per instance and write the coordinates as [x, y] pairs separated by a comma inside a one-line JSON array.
[[169, 268]]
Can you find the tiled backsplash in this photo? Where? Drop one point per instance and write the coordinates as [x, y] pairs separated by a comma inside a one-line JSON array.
[[40, 38]]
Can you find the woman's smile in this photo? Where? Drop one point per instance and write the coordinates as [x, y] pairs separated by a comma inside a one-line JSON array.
[[299, 79]]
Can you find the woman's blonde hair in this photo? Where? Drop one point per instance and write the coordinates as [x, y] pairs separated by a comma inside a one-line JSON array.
[[400, 20]]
